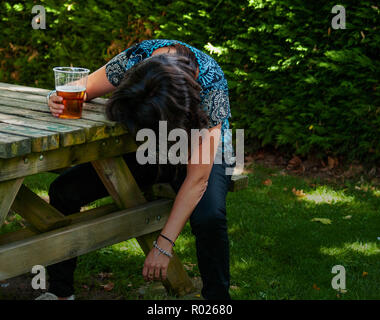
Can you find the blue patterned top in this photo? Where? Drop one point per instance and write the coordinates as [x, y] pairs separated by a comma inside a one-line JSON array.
[[214, 88]]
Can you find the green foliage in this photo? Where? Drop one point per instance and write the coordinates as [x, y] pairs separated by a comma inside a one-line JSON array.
[[295, 83]]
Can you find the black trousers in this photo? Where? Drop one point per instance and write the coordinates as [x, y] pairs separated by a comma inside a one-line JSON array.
[[81, 185]]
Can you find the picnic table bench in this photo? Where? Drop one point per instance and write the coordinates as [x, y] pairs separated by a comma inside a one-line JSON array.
[[33, 141]]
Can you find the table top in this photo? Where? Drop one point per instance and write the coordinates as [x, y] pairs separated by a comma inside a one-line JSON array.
[[27, 126]]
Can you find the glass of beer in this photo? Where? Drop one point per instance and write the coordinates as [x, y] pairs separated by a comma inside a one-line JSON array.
[[70, 84]]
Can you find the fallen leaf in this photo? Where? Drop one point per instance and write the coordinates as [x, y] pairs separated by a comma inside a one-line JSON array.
[[365, 274], [298, 193], [315, 287], [267, 182], [198, 295], [285, 189], [322, 220], [105, 275], [347, 217], [109, 286]]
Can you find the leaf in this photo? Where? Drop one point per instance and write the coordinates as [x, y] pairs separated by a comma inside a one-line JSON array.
[[267, 182], [364, 274], [322, 220], [315, 287], [347, 217], [298, 193], [105, 275], [109, 286]]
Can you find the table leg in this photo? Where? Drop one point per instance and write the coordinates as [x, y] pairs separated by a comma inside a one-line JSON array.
[[123, 188], [8, 192]]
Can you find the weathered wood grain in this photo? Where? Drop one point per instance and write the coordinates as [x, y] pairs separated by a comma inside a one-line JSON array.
[[82, 216], [114, 127], [64, 243], [38, 103], [94, 130], [64, 157], [41, 140], [238, 182], [38, 91], [8, 191], [12, 145], [69, 135], [38, 212]]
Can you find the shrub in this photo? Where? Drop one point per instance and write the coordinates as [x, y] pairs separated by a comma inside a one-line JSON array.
[[295, 83]]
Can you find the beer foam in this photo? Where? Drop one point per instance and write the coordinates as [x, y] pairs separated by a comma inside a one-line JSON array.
[[70, 89]]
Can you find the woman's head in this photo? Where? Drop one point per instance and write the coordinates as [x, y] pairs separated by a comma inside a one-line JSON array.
[[160, 88]]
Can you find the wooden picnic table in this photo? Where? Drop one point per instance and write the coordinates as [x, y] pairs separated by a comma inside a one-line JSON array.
[[33, 141]]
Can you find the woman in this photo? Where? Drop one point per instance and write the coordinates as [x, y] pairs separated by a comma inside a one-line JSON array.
[[152, 81]]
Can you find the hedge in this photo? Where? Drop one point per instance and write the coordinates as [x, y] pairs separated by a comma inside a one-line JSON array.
[[296, 84]]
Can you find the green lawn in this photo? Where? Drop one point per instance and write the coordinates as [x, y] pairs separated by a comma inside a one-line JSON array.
[[277, 251]]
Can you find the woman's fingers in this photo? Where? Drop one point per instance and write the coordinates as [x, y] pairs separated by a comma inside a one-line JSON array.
[[157, 272], [55, 105]]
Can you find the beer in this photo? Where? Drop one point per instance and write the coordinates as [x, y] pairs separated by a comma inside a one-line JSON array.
[[70, 84], [72, 100]]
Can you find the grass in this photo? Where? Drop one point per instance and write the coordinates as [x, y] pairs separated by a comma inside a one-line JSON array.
[[277, 251]]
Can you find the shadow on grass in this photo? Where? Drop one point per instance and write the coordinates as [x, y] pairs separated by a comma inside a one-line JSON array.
[[278, 252]]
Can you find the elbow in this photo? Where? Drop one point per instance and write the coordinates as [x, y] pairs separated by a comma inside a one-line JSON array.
[[200, 184]]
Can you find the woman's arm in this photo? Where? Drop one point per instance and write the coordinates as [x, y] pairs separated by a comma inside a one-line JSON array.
[[97, 85], [188, 196]]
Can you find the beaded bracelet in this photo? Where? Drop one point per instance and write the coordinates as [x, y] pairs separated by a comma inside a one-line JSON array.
[[172, 242], [166, 253]]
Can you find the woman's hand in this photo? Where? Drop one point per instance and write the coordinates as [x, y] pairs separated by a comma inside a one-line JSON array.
[[156, 263], [55, 105]]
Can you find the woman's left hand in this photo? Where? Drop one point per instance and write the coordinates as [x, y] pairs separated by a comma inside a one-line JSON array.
[[156, 264]]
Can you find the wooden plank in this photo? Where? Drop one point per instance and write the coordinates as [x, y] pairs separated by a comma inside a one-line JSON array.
[[68, 135], [94, 130], [238, 182], [40, 214], [8, 191], [65, 157], [54, 246], [18, 88], [13, 146], [35, 102], [41, 140], [115, 128], [38, 91], [123, 188], [23, 234], [119, 182]]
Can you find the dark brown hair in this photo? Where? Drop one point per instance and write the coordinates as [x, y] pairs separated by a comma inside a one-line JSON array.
[[162, 87]]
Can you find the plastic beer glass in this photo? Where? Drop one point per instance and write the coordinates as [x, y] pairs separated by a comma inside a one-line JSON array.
[[70, 84]]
